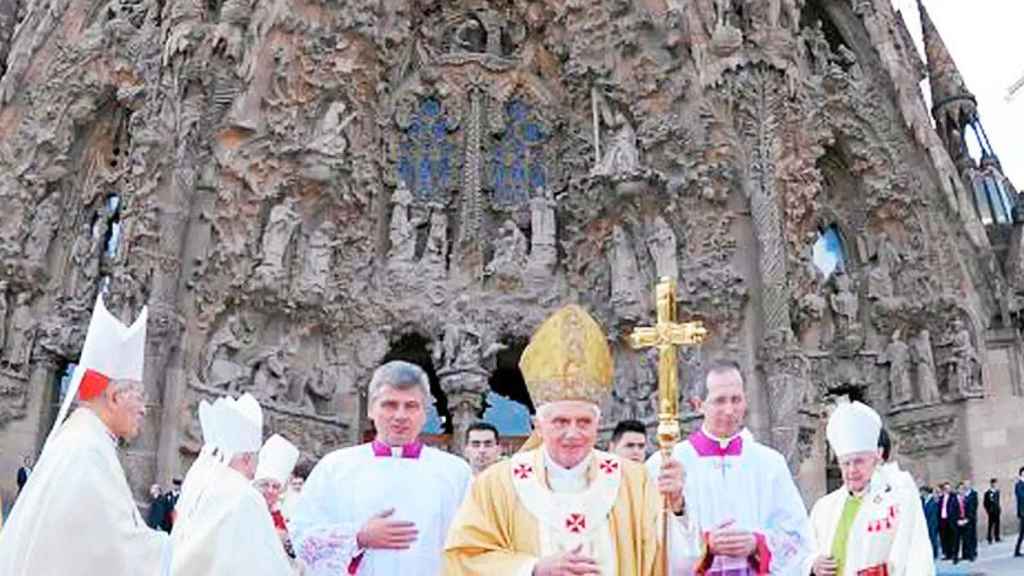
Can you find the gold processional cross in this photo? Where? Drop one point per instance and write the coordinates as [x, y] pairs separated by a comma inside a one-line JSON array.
[[666, 335]]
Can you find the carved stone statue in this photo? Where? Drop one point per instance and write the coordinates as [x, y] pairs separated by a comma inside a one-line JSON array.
[[316, 262], [223, 368], [924, 365], [897, 356], [962, 362], [463, 345], [811, 310], [510, 252], [845, 306], [625, 273], [887, 262], [402, 231], [621, 158], [330, 139], [785, 14], [277, 236], [818, 47], [85, 263], [44, 228], [271, 371], [543, 249], [22, 333], [662, 245], [437, 240]]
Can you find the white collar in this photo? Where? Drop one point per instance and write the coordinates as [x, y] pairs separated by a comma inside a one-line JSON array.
[[721, 441], [562, 479]]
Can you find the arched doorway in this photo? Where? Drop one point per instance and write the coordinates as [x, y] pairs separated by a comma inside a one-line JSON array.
[[508, 405]]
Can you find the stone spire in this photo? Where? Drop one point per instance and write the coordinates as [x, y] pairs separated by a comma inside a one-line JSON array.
[[947, 84]]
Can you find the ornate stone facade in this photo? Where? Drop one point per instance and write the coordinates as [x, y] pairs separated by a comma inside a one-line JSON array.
[[303, 193]]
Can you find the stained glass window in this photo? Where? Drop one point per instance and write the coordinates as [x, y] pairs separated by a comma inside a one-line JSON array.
[[516, 165], [426, 153]]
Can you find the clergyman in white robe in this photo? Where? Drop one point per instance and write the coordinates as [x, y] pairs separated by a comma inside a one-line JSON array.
[[349, 486], [76, 515], [742, 481], [223, 525]]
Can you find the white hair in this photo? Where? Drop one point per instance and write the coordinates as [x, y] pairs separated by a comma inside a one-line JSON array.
[[544, 409], [400, 375]]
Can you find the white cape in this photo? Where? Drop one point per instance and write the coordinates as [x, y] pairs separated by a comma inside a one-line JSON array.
[[76, 515], [223, 526]]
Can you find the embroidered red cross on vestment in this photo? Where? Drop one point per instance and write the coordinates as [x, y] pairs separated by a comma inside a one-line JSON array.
[[609, 466], [576, 523], [523, 471]]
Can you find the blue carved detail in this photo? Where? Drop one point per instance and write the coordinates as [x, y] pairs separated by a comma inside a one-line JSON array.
[[426, 152], [517, 163]]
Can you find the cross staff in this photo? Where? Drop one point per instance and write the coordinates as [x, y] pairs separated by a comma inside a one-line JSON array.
[[666, 335]]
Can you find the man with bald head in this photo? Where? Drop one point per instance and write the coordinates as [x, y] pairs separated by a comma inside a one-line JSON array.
[[384, 507], [739, 491]]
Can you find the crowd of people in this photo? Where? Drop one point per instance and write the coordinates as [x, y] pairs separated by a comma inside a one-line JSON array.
[[557, 506]]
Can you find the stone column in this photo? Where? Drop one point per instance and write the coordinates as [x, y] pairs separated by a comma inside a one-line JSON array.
[[466, 389]]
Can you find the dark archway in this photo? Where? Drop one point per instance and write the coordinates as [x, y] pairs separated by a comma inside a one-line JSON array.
[[508, 406]]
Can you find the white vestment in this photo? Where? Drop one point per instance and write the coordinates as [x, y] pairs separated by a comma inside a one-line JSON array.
[[223, 526], [76, 515], [349, 486], [889, 530], [900, 479], [745, 482]]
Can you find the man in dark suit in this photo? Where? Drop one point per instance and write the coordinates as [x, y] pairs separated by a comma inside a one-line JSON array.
[[23, 472], [994, 510], [931, 515], [949, 511], [969, 532], [1018, 491]]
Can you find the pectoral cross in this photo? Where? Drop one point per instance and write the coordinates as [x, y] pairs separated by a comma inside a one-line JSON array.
[[666, 335]]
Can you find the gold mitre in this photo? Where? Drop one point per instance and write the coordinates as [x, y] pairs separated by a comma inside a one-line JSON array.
[[568, 359]]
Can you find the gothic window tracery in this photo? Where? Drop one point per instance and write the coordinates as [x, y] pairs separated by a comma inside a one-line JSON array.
[[516, 164], [426, 153]]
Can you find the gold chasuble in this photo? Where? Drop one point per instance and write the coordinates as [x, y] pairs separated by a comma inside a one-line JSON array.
[[511, 518]]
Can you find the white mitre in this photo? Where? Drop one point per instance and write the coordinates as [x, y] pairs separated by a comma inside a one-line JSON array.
[[231, 427], [853, 427], [112, 352], [277, 460]]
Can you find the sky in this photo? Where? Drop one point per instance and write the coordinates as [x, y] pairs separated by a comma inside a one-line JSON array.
[[985, 39]]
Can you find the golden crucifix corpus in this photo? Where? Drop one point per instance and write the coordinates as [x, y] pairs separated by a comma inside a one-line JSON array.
[[666, 335]]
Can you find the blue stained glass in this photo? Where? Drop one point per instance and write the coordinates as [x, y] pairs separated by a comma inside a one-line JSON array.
[[431, 107], [517, 164], [425, 152]]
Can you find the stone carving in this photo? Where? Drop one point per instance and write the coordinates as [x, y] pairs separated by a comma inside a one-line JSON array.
[[812, 308], [662, 245], [44, 227], [621, 157], [924, 367], [845, 308], [85, 262], [224, 367], [317, 260], [330, 139], [435, 256], [402, 230], [21, 335], [927, 435], [961, 364], [510, 254], [897, 356], [543, 235], [463, 345], [625, 297], [887, 263], [277, 236]]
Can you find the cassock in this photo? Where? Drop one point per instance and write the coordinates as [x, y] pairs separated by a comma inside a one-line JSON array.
[[349, 486], [528, 507], [77, 515], [223, 526], [887, 536], [742, 480]]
